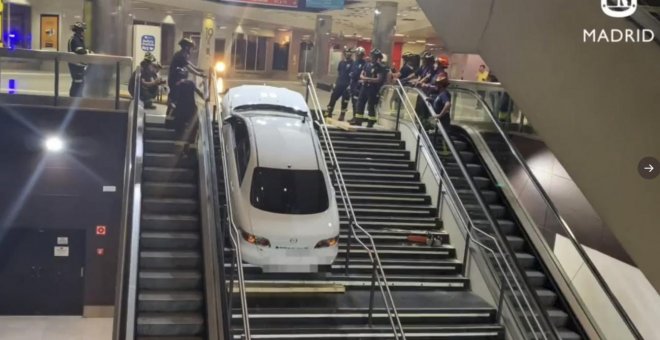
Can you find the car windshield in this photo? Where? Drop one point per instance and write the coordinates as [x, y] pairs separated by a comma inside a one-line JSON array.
[[287, 191]]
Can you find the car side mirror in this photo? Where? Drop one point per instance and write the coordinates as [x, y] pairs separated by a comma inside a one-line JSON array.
[[229, 120]]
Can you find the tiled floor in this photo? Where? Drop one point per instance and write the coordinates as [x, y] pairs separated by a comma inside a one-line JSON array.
[[55, 328]]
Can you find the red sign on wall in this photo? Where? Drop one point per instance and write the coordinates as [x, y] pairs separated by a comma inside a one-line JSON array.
[[101, 230], [273, 3], [100, 251]]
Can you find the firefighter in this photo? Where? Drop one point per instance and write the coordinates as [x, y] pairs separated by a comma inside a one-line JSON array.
[[355, 86], [373, 78], [342, 84], [180, 60], [407, 72], [77, 70]]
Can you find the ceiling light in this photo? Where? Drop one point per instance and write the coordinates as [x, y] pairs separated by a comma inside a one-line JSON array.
[[377, 11], [283, 29], [54, 144], [399, 35], [421, 41]]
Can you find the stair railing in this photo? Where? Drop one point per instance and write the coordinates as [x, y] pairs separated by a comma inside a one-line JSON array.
[[234, 235], [514, 281], [129, 235], [378, 274], [552, 213], [212, 232]]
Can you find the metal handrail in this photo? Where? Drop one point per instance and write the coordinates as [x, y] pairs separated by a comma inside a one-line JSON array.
[[57, 57], [98, 59], [426, 143], [126, 288], [212, 226], [378, 274], [565, 228], [234, 235]]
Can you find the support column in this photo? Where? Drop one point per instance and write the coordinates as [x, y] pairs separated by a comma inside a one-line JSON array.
[[384, 27], [109, 26], [207, 43], [322, 34]]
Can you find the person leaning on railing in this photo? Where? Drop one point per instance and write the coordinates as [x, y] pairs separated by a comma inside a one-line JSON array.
[[441, 103]]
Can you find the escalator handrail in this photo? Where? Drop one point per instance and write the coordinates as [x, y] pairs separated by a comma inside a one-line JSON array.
[[502, 247], [129, 234], [388, 299], [565, 228], [234, 232], [212, 275]]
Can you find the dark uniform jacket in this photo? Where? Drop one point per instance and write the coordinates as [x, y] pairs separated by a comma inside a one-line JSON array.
[[374, 70], [77, 46], [344, 72], [356, 71]]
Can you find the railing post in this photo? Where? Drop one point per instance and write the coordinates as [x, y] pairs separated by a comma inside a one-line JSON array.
[[117, 71], [417, 151], [349, 243], [307, 83], [498, 315], [398, 107], [57, 82], [371, 294]]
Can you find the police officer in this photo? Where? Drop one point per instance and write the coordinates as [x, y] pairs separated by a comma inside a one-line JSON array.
[[373, 78], [77, 70], [341, 85], [181, 62], [356, 71]]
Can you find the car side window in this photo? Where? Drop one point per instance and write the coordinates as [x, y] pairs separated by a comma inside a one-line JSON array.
[[242, 147]]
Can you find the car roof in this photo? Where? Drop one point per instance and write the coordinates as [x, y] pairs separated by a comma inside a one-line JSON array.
[[249, 95], [283, 141]]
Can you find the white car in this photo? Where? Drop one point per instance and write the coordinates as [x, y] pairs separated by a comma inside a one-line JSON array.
[[282, 198]]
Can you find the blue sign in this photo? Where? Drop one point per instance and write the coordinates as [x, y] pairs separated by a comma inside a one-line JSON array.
[[148, 43], [325, 4]]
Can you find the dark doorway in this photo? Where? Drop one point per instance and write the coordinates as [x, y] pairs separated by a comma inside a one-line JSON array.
[[42, 272], [19, 34], [168, 47], [281, 56], [306, 57], [219, 49]]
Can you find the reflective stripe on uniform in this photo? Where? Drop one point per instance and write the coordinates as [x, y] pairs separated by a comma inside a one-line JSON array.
[[359, 116], [372, 118]]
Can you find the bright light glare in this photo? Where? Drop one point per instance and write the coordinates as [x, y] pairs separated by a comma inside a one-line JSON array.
[[220, 67], [54, 144]]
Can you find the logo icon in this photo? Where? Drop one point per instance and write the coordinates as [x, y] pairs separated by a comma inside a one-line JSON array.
[[619, 8], [293, 240]]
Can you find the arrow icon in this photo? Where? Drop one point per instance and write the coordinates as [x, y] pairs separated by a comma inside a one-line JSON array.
[[650, 168]]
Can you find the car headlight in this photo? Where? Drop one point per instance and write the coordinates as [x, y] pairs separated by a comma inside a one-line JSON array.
[[256, 240], [331, 242]]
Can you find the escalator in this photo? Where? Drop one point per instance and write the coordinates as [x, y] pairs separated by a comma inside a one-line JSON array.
[[536, 273], [170, 284], [167, 284], [523, 221]]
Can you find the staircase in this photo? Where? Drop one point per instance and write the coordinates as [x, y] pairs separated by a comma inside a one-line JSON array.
[[432, 297], [170, 285], [536, 274]]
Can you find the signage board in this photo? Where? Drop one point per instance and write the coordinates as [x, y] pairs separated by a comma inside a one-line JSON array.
[[325, 4], [146, 38], [272, 3]]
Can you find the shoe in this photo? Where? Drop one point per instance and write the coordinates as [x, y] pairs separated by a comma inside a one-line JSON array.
[[342, 117], [356, 122], [150, 107], [371, 124]]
